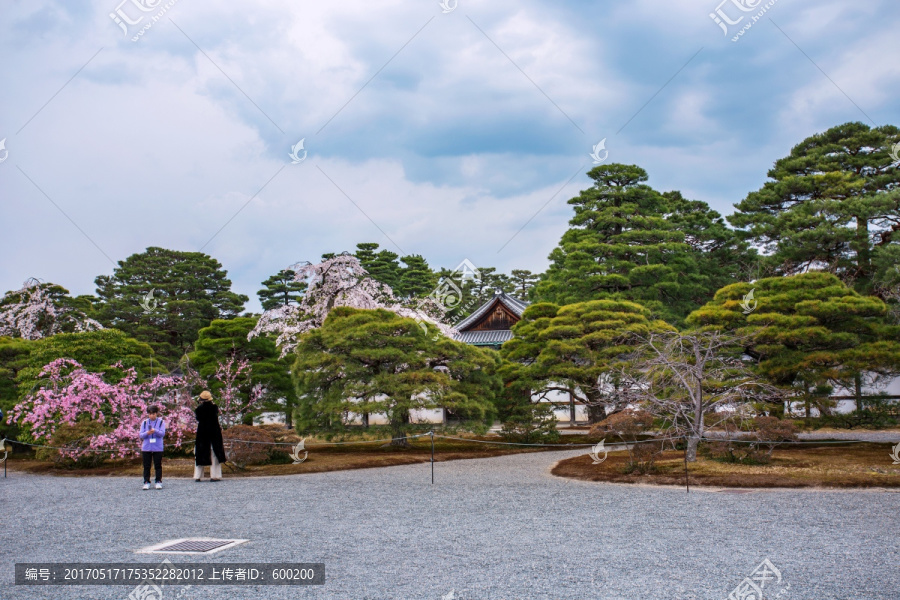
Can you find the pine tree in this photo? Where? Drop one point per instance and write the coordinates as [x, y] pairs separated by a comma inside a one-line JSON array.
[[382, 266], [416, 279], [575, 348], [374, 361], [523, 282], [281, 289], [165, 297], [809, 333], [621, 245], [224, 339], [832, 204]]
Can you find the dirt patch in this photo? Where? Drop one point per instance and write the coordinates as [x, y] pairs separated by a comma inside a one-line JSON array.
[[834, 466]]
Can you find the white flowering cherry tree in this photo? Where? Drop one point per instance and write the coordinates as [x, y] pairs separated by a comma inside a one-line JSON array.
[[338, 281], [40, 310]]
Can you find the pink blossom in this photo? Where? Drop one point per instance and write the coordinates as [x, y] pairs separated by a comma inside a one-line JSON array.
[[70, 392]]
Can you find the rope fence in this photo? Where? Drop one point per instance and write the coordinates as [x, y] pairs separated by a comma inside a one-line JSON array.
[[431, 434], [474, 441]]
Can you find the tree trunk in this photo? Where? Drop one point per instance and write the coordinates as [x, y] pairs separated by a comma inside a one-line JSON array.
[[859, 398], [596, 413], [288, 414], [399, 430], [691, 450], [863, 255], [571, 408]]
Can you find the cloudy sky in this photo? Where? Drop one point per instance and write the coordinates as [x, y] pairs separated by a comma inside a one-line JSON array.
[[454, 131]]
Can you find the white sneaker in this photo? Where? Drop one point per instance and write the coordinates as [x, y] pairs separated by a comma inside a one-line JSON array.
[[146, 486], [159, 485]]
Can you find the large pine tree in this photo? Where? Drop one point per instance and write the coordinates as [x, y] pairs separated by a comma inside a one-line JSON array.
[[629, 242], [832, 204], [189, 290], [808, 333]]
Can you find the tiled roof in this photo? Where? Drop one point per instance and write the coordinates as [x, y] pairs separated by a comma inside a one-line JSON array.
[[513, 304], [484, 338]]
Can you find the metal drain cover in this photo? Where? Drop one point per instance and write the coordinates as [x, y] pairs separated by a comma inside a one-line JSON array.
[[191, 546]]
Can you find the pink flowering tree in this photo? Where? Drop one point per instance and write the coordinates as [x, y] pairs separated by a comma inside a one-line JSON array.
[[70, 393], [41, 309], [338, 281], [237, 396]]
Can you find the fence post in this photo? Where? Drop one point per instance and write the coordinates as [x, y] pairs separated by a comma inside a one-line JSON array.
[[432, 455]]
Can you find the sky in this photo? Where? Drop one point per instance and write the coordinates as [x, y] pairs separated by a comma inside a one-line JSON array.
[[455, 129]]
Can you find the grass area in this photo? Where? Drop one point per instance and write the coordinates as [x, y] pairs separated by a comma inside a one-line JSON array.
[[859, 465], [321, 458]]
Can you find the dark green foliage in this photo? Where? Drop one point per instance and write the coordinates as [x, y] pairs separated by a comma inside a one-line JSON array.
[[416, 279], [13, 358], [808, 332], [629, 242], [228, 338], [570, 348], [382, 266], [281, 289], [378, 362], [190, 289], [832, 203], [96, 351], [530, 423], [522, 282]]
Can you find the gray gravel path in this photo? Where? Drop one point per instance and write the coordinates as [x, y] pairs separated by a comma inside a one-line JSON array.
[[490, 528]]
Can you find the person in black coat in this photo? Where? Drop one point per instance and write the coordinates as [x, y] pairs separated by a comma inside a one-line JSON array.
[[209, 449]]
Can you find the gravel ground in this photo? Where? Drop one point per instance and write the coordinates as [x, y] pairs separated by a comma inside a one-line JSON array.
[[488, 528]]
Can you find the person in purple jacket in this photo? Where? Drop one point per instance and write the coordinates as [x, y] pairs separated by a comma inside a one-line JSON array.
[[153, 428]]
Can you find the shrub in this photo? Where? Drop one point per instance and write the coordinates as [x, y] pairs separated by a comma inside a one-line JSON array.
[[243, 445], [531, 424], [642, 457], [76, 441], [628, 425], [772, 431], [748, 447]]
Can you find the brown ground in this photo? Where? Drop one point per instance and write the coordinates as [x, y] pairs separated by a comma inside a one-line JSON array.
[[832, 465], [321, 458]]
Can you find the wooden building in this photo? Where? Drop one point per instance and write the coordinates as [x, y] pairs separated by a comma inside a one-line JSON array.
[[490, 324]]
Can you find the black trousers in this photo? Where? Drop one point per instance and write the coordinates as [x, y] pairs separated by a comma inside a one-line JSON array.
[[157, 465]]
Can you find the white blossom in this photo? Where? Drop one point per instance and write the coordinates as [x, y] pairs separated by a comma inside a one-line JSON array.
[[31, 313], [338, 281]]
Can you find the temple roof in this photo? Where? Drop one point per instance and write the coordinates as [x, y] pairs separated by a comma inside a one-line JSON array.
[[485, 338], [480, 328]]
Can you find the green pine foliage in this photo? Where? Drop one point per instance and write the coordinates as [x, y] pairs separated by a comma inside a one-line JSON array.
[[807, 332], [97, 351], [281, 289], [190, 290], [832, 204], [226, 338], [570, 348], [629, 242], [374, 361]]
